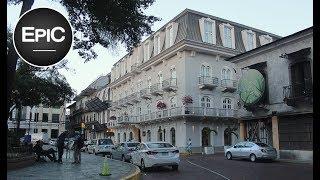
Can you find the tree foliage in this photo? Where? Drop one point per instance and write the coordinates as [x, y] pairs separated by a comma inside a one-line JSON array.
[[34, 86], [106, 23]]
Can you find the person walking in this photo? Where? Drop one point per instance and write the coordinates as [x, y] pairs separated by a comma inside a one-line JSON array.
[[60, 145], [189, 144], [78, 144]]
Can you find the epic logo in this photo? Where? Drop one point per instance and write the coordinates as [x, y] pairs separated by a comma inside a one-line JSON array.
[[42, 37]]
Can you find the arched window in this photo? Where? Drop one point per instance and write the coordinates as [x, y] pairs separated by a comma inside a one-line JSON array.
[[173, 103], [173, 73], [205, 70], [124, 137], [227, 103], [205, 101], [226, 74], [160, 78], [130, 136], [149, 135], [173, 136]]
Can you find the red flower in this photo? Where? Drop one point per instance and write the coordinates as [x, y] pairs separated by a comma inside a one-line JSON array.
[[161, 105], [187, 100]]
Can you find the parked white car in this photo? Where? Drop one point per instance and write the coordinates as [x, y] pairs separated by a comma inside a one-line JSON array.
[[151, 154], [101, 146], [251, 150]]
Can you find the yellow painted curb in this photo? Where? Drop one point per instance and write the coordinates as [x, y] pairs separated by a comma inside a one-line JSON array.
[[133, 176]]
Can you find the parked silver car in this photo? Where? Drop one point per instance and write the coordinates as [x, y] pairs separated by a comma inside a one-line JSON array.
[[251, 150], [121, 151]]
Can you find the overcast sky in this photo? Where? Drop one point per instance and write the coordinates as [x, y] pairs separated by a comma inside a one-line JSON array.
[[281, 17]]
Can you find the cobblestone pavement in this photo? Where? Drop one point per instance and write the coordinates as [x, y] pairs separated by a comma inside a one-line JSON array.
[[89, 168]]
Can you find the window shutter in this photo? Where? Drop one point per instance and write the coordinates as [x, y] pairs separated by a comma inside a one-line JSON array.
[[155, 44], [162, 38], [150, 49], [140, 55], [244, 35], [214, 38], [175, 31], [233, 38], [201, 25], [167, 37], [221, 28]]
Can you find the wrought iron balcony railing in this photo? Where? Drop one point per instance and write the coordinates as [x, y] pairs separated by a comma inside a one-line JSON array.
[[298, 91], [208, 82], [156, 89], [170, 84]]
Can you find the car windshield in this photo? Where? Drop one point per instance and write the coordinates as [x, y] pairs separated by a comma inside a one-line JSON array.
[[132, 144], [262, 144], [105, 142], [159, 145]]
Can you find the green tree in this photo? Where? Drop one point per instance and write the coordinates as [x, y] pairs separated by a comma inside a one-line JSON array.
[[96, 22], [34, 86]]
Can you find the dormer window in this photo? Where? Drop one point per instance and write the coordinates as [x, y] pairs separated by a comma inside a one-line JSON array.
[[208, 30], [171, 34], [265, 39], [249, 39], [227, 35], [146, 51]]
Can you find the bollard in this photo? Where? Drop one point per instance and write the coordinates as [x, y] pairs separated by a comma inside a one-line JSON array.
[[105, 168]]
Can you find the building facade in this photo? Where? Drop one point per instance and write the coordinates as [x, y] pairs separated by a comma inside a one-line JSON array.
[[284, 118], [91, 109], [178, 84], [39, 119]]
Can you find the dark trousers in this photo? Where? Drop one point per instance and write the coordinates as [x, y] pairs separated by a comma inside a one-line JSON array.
[[60, 153]]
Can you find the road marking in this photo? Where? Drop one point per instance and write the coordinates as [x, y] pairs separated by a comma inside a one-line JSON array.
[[215, 172]]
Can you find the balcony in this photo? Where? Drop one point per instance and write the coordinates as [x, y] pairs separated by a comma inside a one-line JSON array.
[[229, 85], [208, 82], [145, 93], [156, 89], [190, 111], [127, 119], [170, 84], [135, 97], [298, 92], [135, 69]]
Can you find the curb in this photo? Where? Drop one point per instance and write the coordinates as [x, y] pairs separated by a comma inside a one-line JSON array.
[[135, 175], [295, 161]]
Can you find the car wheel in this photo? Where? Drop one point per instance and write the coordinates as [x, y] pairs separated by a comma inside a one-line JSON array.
[[253, 158], [229, 155], [175, 167], [143, 166], [123, 158]]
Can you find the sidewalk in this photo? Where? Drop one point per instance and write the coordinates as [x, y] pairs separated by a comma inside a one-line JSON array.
[[89, 168]]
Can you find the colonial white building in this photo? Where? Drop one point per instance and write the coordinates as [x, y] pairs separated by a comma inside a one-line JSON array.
[[39, 119], [185, 60]]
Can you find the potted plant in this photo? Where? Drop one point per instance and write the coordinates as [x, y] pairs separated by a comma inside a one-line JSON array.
[[185, 101]]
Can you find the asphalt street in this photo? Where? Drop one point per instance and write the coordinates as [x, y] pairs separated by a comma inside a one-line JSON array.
[[202, 167]]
